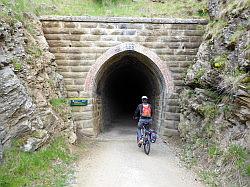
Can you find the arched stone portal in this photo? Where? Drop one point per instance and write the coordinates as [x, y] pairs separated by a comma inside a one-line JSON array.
[[120, 77], [92, 52]]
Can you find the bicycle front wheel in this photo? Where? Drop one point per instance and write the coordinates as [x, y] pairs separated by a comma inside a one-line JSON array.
[[147, 145]]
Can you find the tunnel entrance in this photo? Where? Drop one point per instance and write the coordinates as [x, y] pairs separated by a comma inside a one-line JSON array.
[[118, 79], [124, 79]]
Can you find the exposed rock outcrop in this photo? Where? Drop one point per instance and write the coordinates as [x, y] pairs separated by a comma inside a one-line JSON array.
[[216, 104], [28, 81], [16, 106]]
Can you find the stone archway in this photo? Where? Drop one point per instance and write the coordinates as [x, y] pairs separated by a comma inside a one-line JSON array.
[[136, 63]]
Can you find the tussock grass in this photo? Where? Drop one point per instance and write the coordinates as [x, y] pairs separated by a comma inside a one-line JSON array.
[[45, 167], [142, 8]]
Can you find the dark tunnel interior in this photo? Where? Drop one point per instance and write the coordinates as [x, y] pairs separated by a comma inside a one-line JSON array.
[[123, 84]]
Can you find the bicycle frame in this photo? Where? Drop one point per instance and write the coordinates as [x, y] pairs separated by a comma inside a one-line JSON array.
[[145, 132]]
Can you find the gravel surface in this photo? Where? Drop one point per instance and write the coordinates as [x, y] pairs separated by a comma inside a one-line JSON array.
[[117, 161]]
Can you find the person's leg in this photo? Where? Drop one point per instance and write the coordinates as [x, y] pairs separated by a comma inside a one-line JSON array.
[[139, 130], [150, 123]]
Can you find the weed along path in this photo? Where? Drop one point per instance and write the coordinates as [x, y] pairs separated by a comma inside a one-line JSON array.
[[116, 161]]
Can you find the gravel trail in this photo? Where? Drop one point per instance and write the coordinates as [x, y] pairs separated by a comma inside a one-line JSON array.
[[116, 161]]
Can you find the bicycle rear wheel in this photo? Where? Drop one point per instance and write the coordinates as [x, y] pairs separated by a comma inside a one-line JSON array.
[[146, 145]]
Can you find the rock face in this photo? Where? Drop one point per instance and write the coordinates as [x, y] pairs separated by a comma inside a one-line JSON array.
[[15, 106], [28, 81], [216, 103]]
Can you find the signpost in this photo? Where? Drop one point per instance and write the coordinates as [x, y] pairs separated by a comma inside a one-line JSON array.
[[78, 102]]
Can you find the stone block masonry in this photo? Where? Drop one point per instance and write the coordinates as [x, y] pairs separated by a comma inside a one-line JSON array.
[[77, 43]]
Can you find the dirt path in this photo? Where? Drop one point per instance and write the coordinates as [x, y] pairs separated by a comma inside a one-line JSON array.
[[117, 161]]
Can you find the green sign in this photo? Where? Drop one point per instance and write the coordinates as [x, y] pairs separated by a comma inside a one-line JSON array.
[[78, 102]]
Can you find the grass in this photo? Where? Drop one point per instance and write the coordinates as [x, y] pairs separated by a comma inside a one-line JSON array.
[[17, 65], [143, 8], [238, 155], [209, 110], [248, 170], [60, 105], [45, 167], [209, 178], [214, 95], [35, 51], [215, 28], [213, 151], [188, 156], [232, 81], [228, 109], [57, 102], [198, 75], [208, 130], [237, 34]]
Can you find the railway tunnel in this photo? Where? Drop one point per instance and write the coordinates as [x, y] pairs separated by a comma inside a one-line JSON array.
[[112, 62], [121, 82]]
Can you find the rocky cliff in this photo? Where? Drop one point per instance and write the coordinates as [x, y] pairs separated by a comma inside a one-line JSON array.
[[28, 84], [215, 105]]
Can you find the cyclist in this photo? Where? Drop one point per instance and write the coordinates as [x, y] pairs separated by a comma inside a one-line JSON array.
[[145, 111]]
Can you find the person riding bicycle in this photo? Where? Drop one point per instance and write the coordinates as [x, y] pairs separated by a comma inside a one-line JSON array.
[[145, 111]]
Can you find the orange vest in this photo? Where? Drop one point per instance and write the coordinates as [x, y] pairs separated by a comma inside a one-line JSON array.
[[146, 110]]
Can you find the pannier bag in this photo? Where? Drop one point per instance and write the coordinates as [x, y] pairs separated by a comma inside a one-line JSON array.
[[153, 136]]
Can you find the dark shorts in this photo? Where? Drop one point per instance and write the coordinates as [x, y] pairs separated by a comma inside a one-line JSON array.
[[146, 120], [140, 124]]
